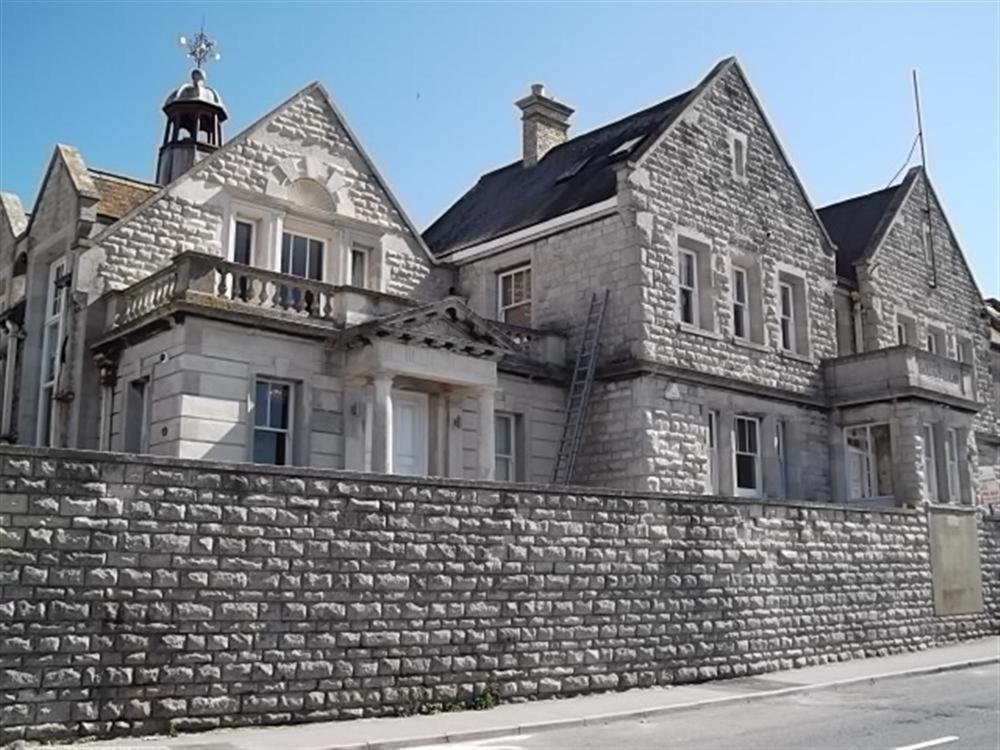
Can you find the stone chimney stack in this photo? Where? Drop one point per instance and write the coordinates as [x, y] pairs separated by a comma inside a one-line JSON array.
[[545, 123]]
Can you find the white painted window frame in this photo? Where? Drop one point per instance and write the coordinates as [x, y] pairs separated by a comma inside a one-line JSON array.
[[55, 307], [511, 420], [965, 350], [906, 323], [356, 248], [288, 431], [510, 273], [936, 339], [295, 231], [952, 476], [741, 307], [691, 288], [781, 455], [787, 317], [796, 281], [870, 484], [376, 272], [757, 490], [264, 222], [254, 234], [712, 451], [930, 462]]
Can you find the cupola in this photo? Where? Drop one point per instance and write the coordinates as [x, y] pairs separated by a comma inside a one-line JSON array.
[[195, 114]]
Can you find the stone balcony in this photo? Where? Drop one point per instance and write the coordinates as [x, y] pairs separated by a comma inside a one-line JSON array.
[[899, 371], [209, 285]]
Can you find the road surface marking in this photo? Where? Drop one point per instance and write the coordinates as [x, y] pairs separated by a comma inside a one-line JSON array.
[[928, 743], [486, 744]]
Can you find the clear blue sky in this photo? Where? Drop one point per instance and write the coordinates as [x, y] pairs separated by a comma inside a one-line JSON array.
[[430, 87]]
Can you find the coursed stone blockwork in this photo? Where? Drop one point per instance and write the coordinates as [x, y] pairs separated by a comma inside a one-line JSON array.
[[303, 138], [144, 595]]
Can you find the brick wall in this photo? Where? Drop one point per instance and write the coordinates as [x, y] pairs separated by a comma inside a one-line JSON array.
[[140, 595]]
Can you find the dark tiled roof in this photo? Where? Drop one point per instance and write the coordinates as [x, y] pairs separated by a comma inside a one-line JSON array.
[[573, 175], [852, 223], [119, 194]]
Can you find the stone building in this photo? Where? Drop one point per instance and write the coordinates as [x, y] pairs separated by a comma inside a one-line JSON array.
[[268, 300]]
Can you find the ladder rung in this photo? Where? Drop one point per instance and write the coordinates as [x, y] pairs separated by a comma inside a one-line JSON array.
[[579, 389]]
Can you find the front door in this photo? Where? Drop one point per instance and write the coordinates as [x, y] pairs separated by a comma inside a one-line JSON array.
[[409, 433]]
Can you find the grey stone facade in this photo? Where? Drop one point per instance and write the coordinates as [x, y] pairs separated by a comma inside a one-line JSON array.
[[156, 295], [140, 595]]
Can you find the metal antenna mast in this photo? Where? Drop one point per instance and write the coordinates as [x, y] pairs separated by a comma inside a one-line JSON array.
[[928, 226]]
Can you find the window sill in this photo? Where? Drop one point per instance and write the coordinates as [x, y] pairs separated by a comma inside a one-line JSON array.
[[698, 331], [796, 356], [748, 344]]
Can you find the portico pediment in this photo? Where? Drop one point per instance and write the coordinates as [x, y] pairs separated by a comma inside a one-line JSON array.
[[448, 324]]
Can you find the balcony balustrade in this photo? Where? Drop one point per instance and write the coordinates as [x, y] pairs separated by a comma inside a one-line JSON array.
[[896, 372], [196, 282]]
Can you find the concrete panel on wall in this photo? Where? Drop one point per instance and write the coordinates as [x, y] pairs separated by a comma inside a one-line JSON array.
[[955, 573]]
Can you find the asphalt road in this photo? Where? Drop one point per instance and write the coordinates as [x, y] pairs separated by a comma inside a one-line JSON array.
[[957, 710]]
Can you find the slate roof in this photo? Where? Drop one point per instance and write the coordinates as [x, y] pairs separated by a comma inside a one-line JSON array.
[[119, 194], [852, 224], [573, 175]]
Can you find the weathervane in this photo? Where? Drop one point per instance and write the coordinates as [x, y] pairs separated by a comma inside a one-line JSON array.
[[200, 48]]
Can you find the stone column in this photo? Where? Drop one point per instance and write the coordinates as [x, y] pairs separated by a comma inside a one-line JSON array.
[[455, 434], [382, 446], [487, 436]]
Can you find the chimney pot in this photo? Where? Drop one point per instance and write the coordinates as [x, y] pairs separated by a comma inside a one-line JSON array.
[[545, 123]]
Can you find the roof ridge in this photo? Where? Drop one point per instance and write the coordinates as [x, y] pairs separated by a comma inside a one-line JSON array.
[[123, 177], [863, 196], [592, 131]]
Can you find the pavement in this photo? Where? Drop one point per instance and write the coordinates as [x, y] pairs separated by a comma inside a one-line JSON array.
[[525, 725]]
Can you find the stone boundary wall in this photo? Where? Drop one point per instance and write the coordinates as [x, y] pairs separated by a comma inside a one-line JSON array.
[[142, 595]]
